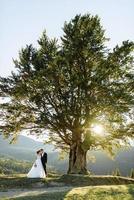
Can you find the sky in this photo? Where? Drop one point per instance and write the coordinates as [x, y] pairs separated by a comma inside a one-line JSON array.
[[23, 21]]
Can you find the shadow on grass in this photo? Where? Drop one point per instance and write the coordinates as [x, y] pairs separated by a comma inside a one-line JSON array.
[[8, 182], [80, 180], [49, 196]]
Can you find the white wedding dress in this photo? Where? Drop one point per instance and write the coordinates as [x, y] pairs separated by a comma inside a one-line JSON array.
[[37, 170]]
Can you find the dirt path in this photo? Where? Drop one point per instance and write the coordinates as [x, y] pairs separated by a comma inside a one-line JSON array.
[[28, 192]]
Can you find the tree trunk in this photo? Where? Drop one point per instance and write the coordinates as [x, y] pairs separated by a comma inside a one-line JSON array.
[[77, 160]]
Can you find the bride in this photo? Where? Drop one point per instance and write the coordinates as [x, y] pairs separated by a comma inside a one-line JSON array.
[[37, 170]]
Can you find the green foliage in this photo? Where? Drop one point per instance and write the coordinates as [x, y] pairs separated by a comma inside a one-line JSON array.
[[67, 87], [132, 173], [12, 166]]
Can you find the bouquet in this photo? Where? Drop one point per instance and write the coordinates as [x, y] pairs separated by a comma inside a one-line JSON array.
[[35, 165]]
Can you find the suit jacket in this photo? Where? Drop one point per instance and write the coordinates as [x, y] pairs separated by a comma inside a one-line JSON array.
[[44, 158]]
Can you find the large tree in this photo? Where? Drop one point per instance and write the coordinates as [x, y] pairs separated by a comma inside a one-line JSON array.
[[62, 89]]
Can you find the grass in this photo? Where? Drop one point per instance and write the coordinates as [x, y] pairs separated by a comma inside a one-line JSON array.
[[16, 181], [87, 180], [21, 181], [120, 192], [84, 187]]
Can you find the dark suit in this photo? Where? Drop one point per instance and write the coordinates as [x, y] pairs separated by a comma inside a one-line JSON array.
[[44, 161]]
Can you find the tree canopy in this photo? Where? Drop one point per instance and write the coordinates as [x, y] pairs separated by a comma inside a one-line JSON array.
[[67, 87]]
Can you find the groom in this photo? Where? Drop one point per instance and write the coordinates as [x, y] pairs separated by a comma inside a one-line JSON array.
[[44, 159]]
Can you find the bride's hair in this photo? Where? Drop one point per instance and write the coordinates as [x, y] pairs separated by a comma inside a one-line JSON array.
[[38, 151]]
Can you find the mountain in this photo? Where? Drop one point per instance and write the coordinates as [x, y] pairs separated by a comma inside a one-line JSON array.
[[25, 149]]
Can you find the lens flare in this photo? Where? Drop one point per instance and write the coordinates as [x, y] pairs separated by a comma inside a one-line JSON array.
[[98, 129]]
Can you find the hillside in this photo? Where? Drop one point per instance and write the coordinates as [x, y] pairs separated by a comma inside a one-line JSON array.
[[25, 149], [11, 166]]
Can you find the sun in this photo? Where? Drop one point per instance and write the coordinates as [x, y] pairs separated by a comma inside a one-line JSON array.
[[98, 129]]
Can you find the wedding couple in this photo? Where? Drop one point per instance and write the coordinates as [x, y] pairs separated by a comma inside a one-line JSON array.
[[38, 169]]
